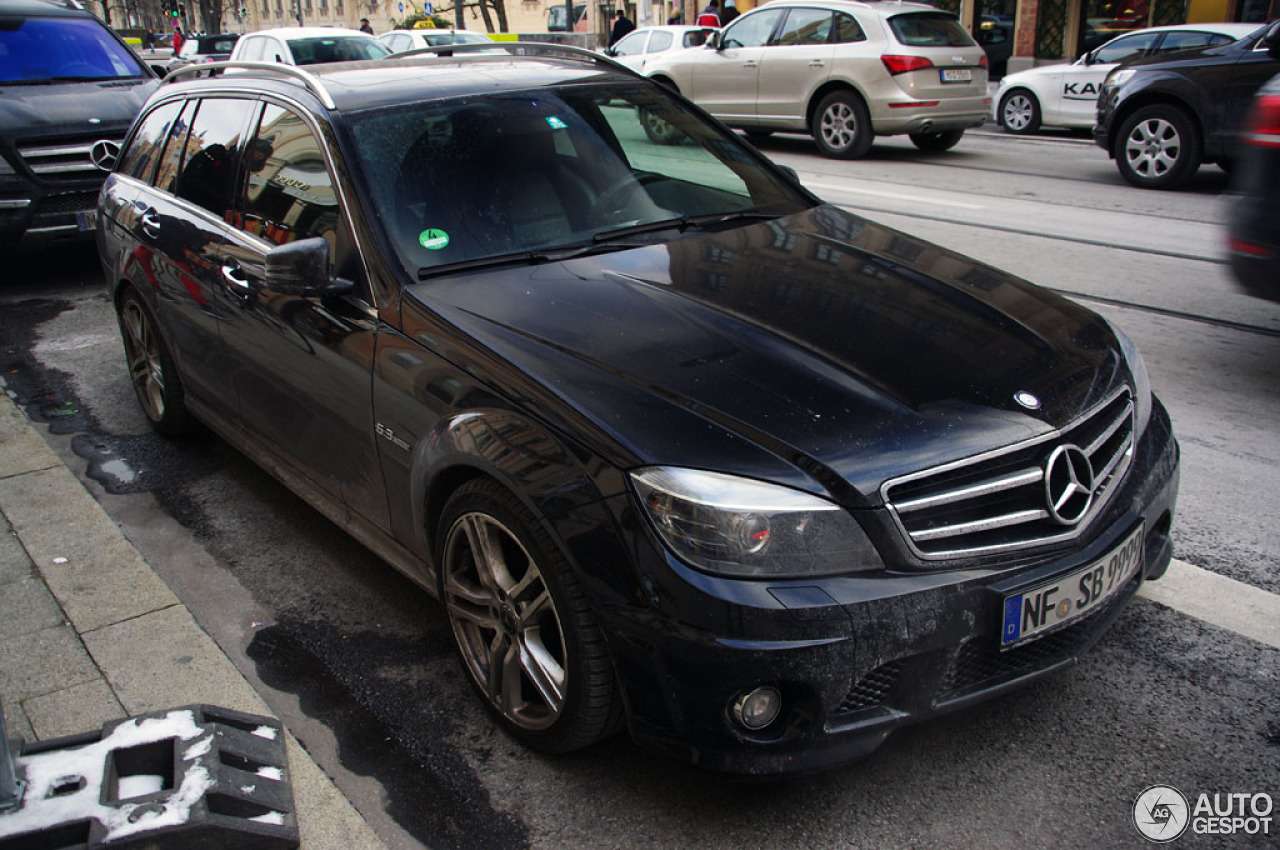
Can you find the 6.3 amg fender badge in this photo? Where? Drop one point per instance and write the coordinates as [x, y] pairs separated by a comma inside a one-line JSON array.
[[1068, 484]]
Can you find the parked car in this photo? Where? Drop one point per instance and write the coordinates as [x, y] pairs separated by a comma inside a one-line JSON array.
[[307, 46], [1159, 118], [402, 41], [678, 445], [69, 89], [995, 37], [639, 48], [204, 48], [842, 71], [1253, 217], [1067, 95]]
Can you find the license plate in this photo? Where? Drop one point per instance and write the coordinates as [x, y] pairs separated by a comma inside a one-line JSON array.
[[1047, 606], [957, 75], [87, 220]]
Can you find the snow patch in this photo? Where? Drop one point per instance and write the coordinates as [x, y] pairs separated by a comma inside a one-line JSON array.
[[199, 748], [268, 732], [141, 785], [276, 818], [271, 773]]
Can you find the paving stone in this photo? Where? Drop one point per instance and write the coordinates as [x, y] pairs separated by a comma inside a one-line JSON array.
[[15, 564], [21, 448], [27, 606], [82, 708], [42, 662], [15, 721]]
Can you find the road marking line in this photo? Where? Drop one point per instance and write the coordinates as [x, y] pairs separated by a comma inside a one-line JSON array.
[[1219, 601], [899, 196]]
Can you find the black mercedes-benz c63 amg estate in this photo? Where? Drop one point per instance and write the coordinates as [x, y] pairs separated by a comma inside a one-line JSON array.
[[680, 447]]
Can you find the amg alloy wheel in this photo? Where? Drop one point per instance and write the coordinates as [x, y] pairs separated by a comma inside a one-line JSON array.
[[522, 625], [151, 370], [842, 127]]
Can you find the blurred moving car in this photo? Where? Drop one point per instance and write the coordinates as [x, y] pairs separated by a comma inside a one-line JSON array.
[[204, 48], [1067, 95], [842, 71], [1253, 218], [402, 41], [307, 46], [637, 49], [1160, 117], [69, 89]]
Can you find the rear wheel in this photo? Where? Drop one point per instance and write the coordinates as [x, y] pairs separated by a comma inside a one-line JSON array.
[[943, 140], [842, 126], [1020, 112], [658, 129], [151, 370], [522, 625], [1158, 148]]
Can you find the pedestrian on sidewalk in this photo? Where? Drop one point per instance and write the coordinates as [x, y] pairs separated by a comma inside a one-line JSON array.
[[730, 12], [710, 16], [364, 26], [621, 26]]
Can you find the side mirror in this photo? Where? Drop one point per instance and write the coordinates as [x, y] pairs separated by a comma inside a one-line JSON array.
[[302, 268], [714, 41], [609, 51], [1272, 41]]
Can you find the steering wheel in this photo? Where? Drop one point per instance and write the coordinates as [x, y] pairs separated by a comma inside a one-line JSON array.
[[617, 196]]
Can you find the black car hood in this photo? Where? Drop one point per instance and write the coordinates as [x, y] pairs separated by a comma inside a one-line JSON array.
[[50, 109], [843, 351]]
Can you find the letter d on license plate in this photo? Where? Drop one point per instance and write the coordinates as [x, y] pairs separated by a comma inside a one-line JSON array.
[[1047, 606]]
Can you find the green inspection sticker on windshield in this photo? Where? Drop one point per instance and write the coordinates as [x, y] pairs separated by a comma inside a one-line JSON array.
[[433, 240]]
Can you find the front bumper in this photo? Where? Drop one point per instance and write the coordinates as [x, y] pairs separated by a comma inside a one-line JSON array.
[[855, 657]]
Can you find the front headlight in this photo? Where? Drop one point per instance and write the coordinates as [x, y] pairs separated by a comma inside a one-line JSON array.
[[1141, 380], [1118, 77], [739, 527]]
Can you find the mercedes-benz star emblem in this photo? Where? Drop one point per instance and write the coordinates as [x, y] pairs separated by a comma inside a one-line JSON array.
[[1068, 484], [104, 153]]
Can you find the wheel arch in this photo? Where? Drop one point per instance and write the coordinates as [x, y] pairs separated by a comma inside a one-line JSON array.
[[811, 110], [1155, 98]]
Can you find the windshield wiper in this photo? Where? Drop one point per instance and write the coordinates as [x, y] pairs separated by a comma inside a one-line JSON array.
[[682, 223], [534, 257]]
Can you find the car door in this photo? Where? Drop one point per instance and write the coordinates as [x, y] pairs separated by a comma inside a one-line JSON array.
[[796, 62], [302, 364], [725, 80], [630, 49], [1076, 95]]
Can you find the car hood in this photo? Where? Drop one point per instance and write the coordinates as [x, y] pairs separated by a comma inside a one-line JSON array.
[[57, 108], [820, 350]]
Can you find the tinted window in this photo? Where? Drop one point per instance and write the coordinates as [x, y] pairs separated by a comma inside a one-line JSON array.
[[752, 30], [140, 158], [632, 45], [174, 150], [1125, 48], [929, 30], [35, 50], [290, 195], [848, 30], [805, 26], [313, 51], [661, 41], [1188, 40], [213, 154]]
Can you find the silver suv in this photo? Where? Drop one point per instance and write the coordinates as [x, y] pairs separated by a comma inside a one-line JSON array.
[[842, 71]]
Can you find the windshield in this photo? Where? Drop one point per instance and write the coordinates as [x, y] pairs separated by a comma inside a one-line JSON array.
[[43, 50], [457, 38], [314, 51], [488, 176]]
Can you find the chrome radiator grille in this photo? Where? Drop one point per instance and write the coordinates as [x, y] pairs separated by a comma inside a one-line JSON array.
[[66, 158], [1043, 491]]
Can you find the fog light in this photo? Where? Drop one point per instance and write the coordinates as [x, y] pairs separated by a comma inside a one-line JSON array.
[[757, 709]]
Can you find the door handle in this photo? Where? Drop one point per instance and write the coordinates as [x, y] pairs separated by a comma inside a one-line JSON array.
[[750, 63], [150, 222], [817, 63], [235, 277]]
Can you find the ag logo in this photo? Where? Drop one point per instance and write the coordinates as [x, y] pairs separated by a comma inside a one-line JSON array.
[[1161, 814]]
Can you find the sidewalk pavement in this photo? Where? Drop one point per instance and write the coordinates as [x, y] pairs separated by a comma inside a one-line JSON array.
[[89, 634]]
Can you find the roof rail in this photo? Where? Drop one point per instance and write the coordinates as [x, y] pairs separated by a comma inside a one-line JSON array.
[[518, 48], [311, 81]]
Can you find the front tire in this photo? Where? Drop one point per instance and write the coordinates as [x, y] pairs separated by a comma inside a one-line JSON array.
[[524, 630], [151, 371], [1158, 147], [1020, 112], [842, 126], [943, 140], [659, 130]]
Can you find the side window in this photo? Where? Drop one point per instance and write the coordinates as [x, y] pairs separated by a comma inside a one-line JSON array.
[[140, 158], [848, 30], [174, 150], [805, 26], [752, 30], [290, 195], [1124, 49], [1174, 41], [632, 45], [253, 49], [661, 41], [213, 154]]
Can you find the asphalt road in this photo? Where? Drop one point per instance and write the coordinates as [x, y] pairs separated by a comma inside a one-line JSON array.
[[357, 661]]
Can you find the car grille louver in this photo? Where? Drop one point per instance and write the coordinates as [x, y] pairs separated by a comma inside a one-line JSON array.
[[996, 502], [65, 159]]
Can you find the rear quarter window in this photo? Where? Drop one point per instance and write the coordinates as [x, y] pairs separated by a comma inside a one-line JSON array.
[[139, 158], [927, 29]]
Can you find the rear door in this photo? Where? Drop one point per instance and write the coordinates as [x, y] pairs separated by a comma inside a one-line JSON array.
[[797, 61]]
